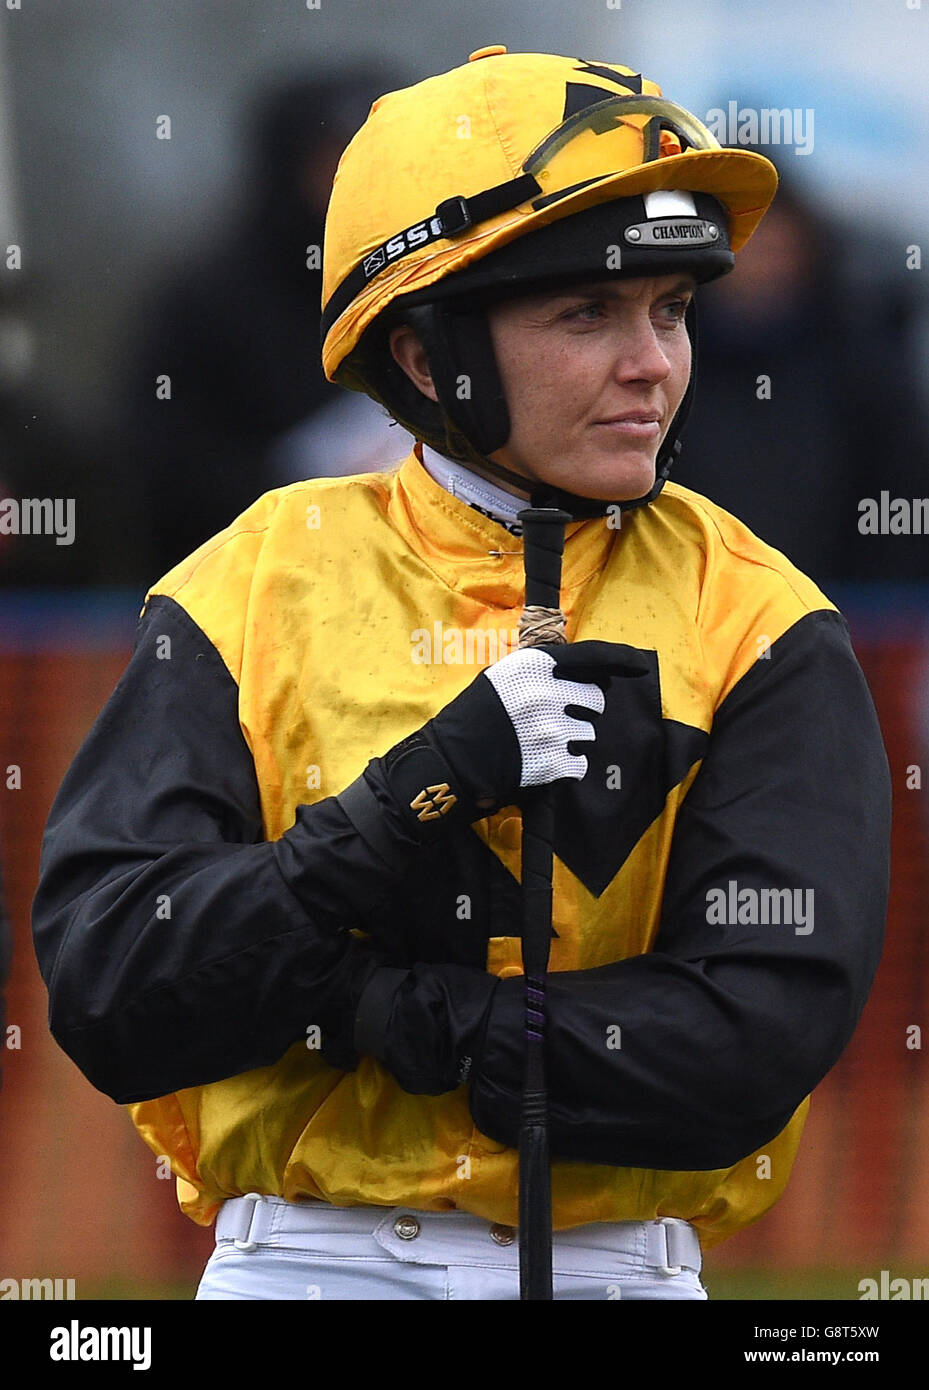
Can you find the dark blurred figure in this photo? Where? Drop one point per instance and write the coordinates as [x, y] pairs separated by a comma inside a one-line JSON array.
[[237, 332], [54, 477], [830, 315]]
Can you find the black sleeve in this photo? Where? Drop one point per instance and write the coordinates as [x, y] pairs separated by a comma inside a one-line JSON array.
[[178, 946], [726, 1026]]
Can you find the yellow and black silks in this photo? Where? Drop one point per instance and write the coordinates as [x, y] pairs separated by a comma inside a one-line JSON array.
[[333, 618]]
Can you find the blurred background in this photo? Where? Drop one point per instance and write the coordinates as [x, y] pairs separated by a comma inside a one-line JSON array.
[[164, 174]]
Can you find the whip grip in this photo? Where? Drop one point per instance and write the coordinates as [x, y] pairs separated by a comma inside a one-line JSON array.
[[543, 547]]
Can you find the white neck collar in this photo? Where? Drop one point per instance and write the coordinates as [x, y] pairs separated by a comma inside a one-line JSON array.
[[461, 482]]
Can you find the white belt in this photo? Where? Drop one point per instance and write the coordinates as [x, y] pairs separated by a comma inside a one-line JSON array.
[[666, 1245]]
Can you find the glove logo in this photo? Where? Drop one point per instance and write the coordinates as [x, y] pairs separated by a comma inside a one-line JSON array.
[[433, 802]]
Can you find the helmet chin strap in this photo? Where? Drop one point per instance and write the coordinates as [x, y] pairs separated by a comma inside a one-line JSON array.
[[543, 494]]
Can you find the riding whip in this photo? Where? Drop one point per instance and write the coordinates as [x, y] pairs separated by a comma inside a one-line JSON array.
[[542, 622]]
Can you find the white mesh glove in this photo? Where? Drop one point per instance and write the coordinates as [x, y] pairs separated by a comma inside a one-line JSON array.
[[509, 729], [537, 702]]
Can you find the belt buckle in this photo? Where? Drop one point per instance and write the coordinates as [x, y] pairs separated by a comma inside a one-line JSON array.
[[670, 1270], [248, 1244]]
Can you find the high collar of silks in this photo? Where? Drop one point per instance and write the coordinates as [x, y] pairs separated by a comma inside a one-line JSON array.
[[475, 555]]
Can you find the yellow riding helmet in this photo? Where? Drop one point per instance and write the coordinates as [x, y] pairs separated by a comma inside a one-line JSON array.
[[455, 167]]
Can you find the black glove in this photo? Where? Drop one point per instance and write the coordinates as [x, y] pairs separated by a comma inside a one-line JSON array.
[[518, 724], [426, 1025]]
